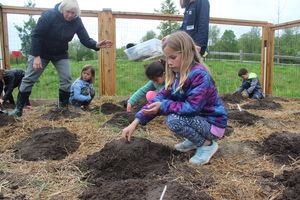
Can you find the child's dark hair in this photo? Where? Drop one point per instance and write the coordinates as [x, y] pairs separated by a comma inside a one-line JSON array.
[[86, 68], [155, 69], [242, 71]]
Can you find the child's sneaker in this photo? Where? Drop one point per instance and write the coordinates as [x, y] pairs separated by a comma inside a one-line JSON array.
[[27, 107], [204, 153], [185, 146], [77, 109]]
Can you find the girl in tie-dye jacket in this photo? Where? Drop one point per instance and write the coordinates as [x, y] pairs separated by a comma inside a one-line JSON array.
[[190, 101]]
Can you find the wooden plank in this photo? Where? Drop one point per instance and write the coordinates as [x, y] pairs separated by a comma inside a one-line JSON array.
[[107, 57], [6, 57], [267, 64], [290, 24], [38, 11], [136, 15], [1, 40]]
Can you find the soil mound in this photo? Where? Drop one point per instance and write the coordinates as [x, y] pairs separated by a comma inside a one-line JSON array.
[[283, 146], [123, 170], [232, 98], [47, 143], [5, 119], [134, 189], [110, 108], [121, 120], [291, 180], [262, 104], [243, 117], [120, 160], [57, 113]]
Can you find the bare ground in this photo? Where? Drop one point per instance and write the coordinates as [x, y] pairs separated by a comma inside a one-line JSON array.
[[257, 160]]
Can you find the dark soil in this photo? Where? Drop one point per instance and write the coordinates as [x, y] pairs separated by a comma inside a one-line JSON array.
[[136, 107], [8, 106], [121, 160], [228, 131], [232, 98], [58, 113], [47, 143], [133, 189], [282, 146], [243, 117], [262, 104], [123, 170], [5, 119], [110, 108], [121, 120], [291, 180]]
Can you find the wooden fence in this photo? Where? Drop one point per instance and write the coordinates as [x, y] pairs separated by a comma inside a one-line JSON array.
[[242, 55], [107, 30]]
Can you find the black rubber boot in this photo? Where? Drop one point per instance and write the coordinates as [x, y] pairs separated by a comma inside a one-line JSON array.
[[63, 99], [21, 100]]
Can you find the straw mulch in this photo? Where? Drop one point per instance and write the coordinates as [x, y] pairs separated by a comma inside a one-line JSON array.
[[237, 171]]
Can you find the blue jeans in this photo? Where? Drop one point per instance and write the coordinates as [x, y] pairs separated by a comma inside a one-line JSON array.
[[256, 94], [196, 128]]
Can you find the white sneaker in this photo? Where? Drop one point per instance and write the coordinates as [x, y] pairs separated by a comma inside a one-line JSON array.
[[185, 146], [204, 154]]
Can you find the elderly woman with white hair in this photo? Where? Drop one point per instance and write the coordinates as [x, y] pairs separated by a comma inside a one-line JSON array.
[[54, 30]]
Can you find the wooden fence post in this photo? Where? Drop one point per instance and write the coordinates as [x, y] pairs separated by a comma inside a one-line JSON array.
[[267, 59], [4, 40], [107, 57]]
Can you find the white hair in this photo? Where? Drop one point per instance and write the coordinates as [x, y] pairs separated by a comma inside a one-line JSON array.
[[69, 4]]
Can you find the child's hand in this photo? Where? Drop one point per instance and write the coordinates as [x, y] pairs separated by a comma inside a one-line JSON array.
[[129, 107], [245, 95], [1, 101], [128, 131], [152, 108]]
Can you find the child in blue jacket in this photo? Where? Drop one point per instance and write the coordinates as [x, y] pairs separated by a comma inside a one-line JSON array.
[[82, 91], [190, 101]]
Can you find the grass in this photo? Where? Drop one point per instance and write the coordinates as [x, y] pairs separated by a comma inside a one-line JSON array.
[[130, 77]]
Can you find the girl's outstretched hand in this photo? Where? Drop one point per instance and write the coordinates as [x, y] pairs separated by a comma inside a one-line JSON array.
[[152, 108], [128, 131], [129, 107]]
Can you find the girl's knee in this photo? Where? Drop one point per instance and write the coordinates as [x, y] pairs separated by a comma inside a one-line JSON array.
[[173, 122]]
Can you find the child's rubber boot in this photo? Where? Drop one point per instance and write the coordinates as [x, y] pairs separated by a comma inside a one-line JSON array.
[[204, 154], [185, 146]]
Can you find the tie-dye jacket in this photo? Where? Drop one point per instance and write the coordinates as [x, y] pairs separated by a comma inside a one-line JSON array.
[[199, 96]]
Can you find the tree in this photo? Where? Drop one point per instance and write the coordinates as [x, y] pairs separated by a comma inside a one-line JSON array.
[[290, 42], [228, 42], [166, 27], [79, 52], [26, 31], [149, 35], [214, 36], [251, 41]]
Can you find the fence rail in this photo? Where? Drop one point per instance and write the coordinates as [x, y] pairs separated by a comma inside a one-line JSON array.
[[241, 54]]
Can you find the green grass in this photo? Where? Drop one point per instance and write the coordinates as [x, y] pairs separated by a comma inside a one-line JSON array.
[[130, 77]]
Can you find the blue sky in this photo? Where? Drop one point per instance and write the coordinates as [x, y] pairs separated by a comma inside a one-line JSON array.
[[273, 11]]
